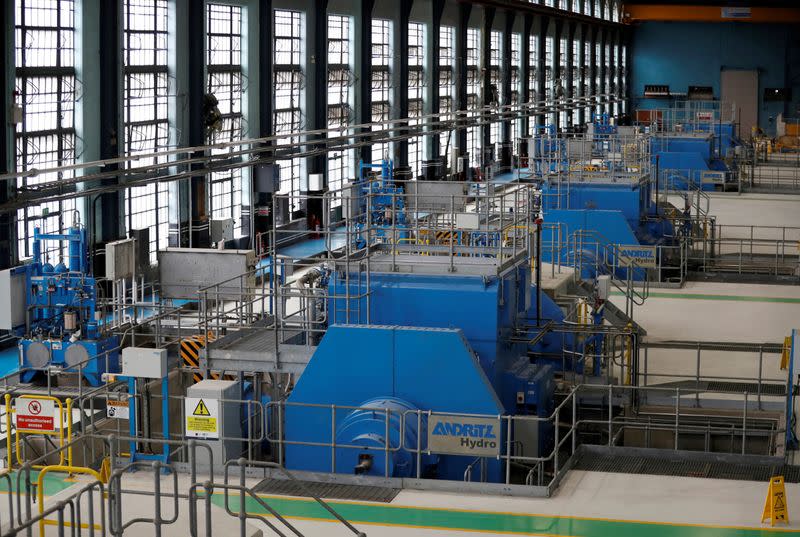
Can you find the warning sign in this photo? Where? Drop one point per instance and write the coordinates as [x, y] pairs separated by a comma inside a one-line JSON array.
[[202, 418], [35, 415], [118, 409], [201, 409], [775, 505]]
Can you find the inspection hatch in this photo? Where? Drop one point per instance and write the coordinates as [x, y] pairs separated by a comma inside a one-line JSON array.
[[332, 491]]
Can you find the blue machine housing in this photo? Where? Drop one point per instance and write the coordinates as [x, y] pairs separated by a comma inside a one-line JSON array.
[[63, 329], [701, 148], [620, 213], [438, 343]]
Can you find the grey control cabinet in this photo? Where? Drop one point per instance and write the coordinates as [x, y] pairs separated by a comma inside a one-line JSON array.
[[226, 394]]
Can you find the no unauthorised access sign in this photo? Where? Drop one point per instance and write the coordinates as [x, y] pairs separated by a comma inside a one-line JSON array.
[[35, 415], [202, 417]]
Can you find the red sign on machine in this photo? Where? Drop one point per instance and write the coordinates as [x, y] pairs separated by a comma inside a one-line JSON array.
[[35, 414]]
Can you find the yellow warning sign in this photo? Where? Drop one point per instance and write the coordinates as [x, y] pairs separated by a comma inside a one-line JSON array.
[[201, 409], [775, 506], [202, 418], [201, 425]]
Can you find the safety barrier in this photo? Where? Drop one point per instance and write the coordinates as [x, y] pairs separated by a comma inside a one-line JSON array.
[[680, 413], [768, 177]]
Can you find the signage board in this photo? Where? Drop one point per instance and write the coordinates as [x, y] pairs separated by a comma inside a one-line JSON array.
[[736, 13], [35, 415], [644, 256], [202, 417], [459, 435], [118, 410]]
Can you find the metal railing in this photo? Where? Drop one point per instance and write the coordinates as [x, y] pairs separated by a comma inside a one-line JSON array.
[[769, 176], [741, 249], [100, 506], [688, 116], [588, 414], [592, 251]]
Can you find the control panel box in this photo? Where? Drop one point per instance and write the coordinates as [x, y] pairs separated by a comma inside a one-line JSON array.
[[141, 362], [120, 259]]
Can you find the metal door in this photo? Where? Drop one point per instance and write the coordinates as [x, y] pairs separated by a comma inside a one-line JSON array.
[[740, 87]]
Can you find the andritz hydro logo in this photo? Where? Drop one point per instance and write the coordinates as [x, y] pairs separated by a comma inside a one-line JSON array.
[[470, 435], [638, 254]]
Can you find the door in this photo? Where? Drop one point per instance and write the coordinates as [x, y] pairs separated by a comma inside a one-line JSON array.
[[740, 87]]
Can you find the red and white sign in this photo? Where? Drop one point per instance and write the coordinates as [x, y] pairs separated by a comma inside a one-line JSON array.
[[35, 414]]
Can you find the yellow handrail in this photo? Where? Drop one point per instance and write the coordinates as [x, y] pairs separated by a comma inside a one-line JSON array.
[[65, 422], [58, 468], [8, 431]]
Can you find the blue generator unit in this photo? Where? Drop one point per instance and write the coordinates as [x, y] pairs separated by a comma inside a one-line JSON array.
[[425, 369]]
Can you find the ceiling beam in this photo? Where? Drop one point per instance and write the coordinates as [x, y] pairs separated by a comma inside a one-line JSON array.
[[648, 12]]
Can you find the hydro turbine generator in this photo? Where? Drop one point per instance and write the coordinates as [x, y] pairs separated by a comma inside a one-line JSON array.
[[426, 365]]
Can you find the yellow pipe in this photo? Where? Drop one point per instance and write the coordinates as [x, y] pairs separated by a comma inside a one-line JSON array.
[[8, 431], [57, 468], [69, 431], [628, 352]]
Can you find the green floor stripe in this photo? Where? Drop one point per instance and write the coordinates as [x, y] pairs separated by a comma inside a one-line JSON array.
[[53, 482], [733, 298], [375, 514]]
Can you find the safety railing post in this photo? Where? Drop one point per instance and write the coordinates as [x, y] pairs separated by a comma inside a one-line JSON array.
[[744, 424], [242, 499], [574, 419], [556, 448], [508, 447], [677, 414], [419, 444], [610, 412], [333, 439]]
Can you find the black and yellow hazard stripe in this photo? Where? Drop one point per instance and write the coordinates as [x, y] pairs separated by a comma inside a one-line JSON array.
[[190, 353]]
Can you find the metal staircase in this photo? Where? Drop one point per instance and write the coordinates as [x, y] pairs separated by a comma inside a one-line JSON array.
[[593, 254]]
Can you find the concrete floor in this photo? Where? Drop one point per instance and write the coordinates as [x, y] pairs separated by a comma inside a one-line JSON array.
[[587, 504]]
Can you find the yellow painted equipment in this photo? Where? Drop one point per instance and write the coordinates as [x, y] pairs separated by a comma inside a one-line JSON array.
[[775, 506], [787, 351]]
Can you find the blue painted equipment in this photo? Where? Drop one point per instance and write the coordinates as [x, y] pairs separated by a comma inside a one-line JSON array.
[[63, 327], [602, 185], [413, 343], [381, 203], [603, 125], [695, 143]]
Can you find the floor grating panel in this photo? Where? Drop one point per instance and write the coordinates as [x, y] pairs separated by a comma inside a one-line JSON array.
[[626, 464], [334, 491]]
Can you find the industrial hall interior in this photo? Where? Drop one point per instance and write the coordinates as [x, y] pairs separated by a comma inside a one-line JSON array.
[[399, 268]]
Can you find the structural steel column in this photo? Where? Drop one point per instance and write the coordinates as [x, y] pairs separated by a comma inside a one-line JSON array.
[[364, 67], [105, 212], [485, 68], [460, 77], [6, 132], [199, 217], [434, 41], [401, 148]]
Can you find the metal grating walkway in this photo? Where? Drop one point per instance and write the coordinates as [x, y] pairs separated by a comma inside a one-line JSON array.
[[752, 388], [626, 464], [332, 491]]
